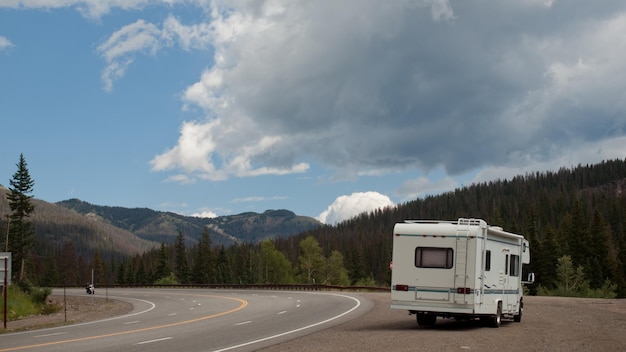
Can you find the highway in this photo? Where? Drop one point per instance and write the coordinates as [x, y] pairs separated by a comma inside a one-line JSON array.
[[197, 320]]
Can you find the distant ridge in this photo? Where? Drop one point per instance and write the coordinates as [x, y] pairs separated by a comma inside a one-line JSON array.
[[158, 226]]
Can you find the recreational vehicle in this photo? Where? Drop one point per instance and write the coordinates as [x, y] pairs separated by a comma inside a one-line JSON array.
[[463, 269]]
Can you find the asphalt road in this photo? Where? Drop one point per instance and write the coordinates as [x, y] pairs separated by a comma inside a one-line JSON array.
[[197, 320]]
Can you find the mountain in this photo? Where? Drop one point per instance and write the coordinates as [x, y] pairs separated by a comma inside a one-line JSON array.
[[55, 224], [158, 226]]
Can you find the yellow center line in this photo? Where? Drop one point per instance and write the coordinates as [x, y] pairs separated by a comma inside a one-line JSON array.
[[244, 303]]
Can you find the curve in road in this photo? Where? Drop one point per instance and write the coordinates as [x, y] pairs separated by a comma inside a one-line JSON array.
[[194, 319]]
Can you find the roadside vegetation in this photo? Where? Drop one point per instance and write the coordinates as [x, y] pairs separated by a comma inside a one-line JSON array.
[[29, 302], [571, 282]]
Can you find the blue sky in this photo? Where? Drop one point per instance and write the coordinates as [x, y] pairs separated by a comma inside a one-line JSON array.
[[324, 108]]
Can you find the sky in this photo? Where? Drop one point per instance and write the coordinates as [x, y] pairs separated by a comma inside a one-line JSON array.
[[326, 108]]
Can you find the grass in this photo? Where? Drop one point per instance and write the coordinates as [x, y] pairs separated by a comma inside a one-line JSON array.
[[21, 304]]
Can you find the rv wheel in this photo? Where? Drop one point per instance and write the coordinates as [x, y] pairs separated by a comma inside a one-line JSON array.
[[426, 319], [518, 318], [496, 320]]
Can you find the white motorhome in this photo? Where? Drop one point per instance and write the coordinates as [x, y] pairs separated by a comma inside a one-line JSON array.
[[462, 269]]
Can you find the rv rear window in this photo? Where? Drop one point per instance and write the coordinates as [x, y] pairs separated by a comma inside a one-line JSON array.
[[432, 257]]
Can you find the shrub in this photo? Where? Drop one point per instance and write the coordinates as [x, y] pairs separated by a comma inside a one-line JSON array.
[[39, 295]]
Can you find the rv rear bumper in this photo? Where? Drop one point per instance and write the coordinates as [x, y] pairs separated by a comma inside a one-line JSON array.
[[444, 308]]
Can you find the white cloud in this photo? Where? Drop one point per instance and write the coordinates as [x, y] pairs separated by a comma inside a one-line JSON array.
[[119, 50], [93, 9], [368, 87], [497, 87], [5, 43], [205, 214], [346, 207]]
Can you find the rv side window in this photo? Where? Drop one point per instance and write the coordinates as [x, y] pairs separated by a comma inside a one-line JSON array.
[[430, 257], [488, 261], [514, 271], [506, 264]]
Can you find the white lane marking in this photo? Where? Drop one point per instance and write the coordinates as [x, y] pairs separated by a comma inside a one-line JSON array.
[[56, 333], [244, 322], [297, 306], [131, 322], [152, 341], [283, 312], [171, 314], [358, 303]]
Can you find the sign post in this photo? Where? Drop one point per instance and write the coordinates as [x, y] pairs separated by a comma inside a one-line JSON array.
[[5, 279], [4, 291]]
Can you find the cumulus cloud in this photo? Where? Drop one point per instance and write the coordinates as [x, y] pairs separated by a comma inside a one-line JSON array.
[[397, 86], [205, 214], [93, 9], [5, 43], [366, 87], [346, 207]]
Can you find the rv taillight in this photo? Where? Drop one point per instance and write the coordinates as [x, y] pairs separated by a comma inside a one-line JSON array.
[[463, 290], [402, 287]]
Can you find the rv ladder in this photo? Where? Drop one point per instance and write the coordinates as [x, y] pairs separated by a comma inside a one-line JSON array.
[[460, 262]]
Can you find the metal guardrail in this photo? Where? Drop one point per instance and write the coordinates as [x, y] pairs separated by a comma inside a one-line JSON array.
[[281, 287]]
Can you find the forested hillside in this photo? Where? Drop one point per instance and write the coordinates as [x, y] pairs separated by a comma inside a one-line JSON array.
[[577, 212]]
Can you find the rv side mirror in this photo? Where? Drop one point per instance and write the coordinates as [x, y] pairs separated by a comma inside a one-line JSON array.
[[531, 278]]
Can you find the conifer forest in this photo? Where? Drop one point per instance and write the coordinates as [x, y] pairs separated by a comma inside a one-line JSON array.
[[574, 218]]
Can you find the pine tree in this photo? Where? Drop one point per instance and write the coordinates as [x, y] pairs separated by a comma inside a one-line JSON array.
[[21, 233], [163, 267], [223, 271], [67, 262], [98, 269], [202, 271], [182, 266]]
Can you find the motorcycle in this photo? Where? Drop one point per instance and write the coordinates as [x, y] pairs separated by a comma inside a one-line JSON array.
[[90, 289]]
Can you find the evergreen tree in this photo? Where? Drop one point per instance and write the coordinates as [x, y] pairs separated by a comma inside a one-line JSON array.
[[570, 279], [21, 233], [141, 277], [98, 269], [163, 267], [355, 266], [182, 266], [121, 274], [51, 275], [599, 267], [67, 262], [202, 271], [223, 271]]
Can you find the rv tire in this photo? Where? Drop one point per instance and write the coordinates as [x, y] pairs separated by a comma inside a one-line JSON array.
[[496, 320], [518, 317]]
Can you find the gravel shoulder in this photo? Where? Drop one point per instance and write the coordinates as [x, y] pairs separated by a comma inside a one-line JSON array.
[[548, 324]]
